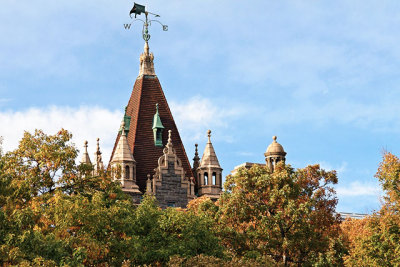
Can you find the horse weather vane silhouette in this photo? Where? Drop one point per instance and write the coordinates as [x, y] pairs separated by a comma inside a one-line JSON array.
[[138, 10]]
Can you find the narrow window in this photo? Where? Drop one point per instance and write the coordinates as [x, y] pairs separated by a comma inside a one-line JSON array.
[[205, 178], [214, 178], [127, 172]]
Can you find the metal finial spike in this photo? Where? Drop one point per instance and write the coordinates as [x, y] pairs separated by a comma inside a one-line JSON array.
[[157, 107]]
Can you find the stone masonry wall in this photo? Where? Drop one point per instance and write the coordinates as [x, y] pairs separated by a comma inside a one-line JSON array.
[[171, 193]]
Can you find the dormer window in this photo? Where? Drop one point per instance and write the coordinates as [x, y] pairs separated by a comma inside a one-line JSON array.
[[157, 129]]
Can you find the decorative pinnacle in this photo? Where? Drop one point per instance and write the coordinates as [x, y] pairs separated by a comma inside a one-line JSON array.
[[98, 146], [148, 176], [196, 152], [85, 145], [274, 138], [209, 136], [169, 137], [123, 127]]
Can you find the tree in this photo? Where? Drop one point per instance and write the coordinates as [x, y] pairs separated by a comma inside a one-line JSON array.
[[375, 240], [54, 212], [286, 214]]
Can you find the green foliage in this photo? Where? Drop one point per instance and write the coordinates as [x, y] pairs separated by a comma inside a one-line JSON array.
[[375, 240], [164, 233], [285, 214], [54, 212]]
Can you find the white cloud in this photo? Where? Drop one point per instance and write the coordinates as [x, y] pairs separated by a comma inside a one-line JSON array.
[[85, 123], [198, 114], [193, 118], [339, 169], [358, 188]]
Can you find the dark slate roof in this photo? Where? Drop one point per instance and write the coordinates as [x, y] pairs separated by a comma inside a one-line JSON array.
[[147, 92]]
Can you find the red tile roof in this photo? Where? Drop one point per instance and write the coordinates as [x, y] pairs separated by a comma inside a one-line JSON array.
[[147, 92]]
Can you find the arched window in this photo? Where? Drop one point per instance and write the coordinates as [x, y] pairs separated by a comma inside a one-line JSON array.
[[127, 172], [214, 178], [205, 178]]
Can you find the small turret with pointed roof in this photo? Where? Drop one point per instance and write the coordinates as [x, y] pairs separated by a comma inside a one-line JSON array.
[[209, 158], [122, 152], [85, 156], [124, 161], [274, 154], [209, 173]]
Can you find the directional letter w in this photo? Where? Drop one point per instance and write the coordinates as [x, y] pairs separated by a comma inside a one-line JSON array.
[[127, 26]]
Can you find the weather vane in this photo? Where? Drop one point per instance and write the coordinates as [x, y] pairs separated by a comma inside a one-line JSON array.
[[138, 10]]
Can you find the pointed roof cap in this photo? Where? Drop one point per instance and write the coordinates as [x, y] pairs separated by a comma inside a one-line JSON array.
[[85, 156], [122, 151], [146, 62], [275, 148], [209, 158], [157, 124]]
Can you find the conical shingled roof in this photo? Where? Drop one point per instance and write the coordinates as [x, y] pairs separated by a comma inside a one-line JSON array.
[[85, 155], [209, 158], [122, 152], [147, 92]]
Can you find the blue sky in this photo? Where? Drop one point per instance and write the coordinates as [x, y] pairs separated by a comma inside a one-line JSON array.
[[322, 76]]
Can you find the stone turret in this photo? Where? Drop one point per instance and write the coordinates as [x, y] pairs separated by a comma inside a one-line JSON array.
[[209, 173], [274, 154], [123, 164]]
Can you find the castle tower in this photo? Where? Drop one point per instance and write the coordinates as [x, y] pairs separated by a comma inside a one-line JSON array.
[[145, 135], [209, 173], [274, 154], [123, 165]]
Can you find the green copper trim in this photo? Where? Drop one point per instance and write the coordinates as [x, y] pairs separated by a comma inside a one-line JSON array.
[[158, 128], [127, 120]]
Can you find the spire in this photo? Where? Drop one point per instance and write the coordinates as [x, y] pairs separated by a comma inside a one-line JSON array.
[[85, 156], [146, 62], [122, 152], [99, 160], [196, 159], [209, 158]]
